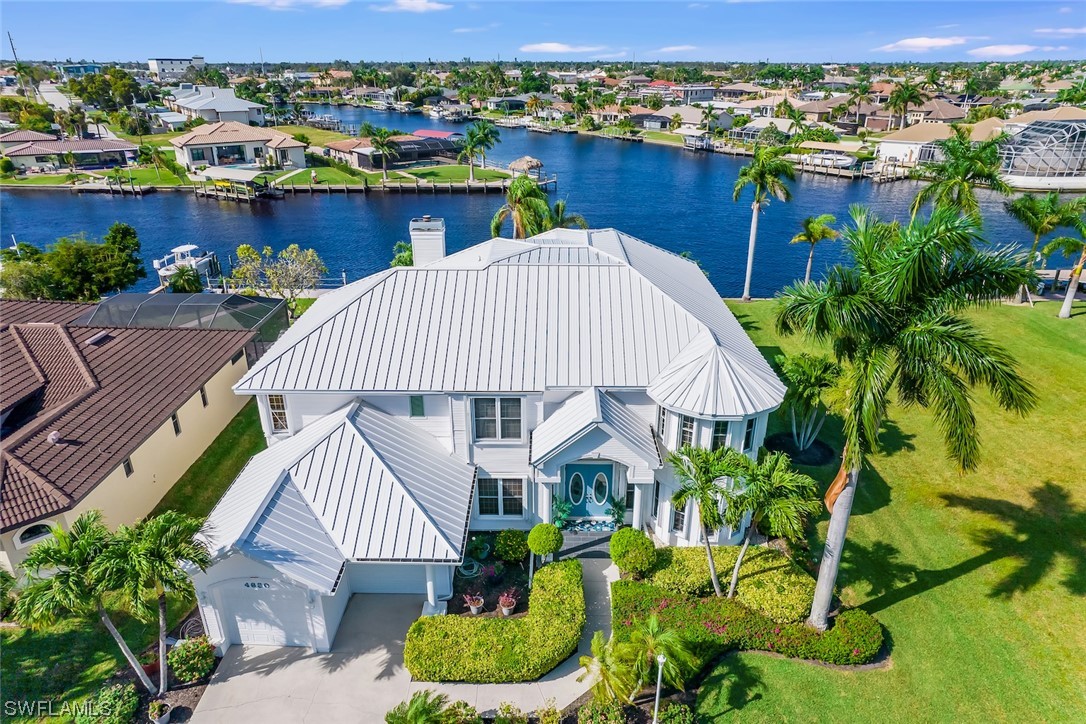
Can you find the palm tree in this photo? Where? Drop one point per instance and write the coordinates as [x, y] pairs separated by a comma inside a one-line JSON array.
[[764, 174], [148, 560], [815, 229], [1069, 246], [186, 280], [469, 149], [896, 319], [792, 113], [859, 95], [906, 94], [612, 679], [424, 707], [708, 117], [62, 582], [559, 218], [648, 640], [933, 81], [69, 158], [808, 377], [676, 121], [700, 473], [382, 143], [768, 490], [533, 105], [1042, 215], [526, 205], [487, 136], [965, 165]]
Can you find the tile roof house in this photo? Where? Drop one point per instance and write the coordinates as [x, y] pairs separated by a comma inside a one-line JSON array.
[[21, 136], [88, 153], [102, 418], [471, 391], [213, 104], [230, 143]]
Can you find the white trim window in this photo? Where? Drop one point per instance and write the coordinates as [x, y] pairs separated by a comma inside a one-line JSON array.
[[748, 435], [33, 533], [277, 413], [500, 497], [678, 519], [497, 418], [661, 420], [686, 431], [720, 434]]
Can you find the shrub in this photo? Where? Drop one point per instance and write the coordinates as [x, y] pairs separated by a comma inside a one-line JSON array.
[[497, 650], [545, 539], [191, 659], [560, 512], [601, 712], [7, 166], [461, 712], [549, 713], [510, 714], [511, 545], [676, 713], [157, 708], [633, 552], [115, 704]]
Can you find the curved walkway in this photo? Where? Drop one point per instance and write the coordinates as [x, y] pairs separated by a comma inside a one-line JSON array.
[[364, 675]]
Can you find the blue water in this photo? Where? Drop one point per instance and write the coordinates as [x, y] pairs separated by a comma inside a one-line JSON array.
[[677, 199]]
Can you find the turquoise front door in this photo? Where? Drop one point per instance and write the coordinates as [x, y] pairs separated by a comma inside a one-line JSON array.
[[588, 488]]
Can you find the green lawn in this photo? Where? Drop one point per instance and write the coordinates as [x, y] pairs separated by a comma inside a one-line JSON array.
[[446, 173], [38, 180], [329, 175], [662, 136], [148, 176], [153, 139], [317, 136], [980, 579]]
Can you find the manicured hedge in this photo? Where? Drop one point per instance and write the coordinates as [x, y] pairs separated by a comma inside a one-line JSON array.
[[633, 552], [497, 650], [715, 625], [769, 582]]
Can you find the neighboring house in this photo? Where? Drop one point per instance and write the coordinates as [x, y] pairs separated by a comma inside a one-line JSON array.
[[916, 144], [750, 132], [22, 137], [88, 153], [736, 91], [835, 82], [691, 119], [168, 120], [77, 70], [213, 104], [471, 391], [1019, 122], [102, 417], [634, 81], [230, 143], [167, 69], [936, 110], [506, 104], [693, 93], [765, 107], [421, 146], [821, 110]]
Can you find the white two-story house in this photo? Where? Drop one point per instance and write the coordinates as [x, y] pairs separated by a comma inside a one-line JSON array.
[[470, 392]]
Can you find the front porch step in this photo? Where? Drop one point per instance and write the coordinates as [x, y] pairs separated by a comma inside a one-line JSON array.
[[586, 545]]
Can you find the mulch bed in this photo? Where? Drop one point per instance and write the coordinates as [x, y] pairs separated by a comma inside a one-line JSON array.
[[490, 587], [818, 454]]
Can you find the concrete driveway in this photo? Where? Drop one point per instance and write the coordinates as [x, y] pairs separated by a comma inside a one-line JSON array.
[[364, 676]]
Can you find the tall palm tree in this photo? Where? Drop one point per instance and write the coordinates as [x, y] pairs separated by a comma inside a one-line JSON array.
[[382, 143], [953, 181], [148, 560], [62, 581], [859, 96], [650, 639], [469, 149], [525, 205], [1041, 215], [424, 707], [768, 490], [906, 94], [611, 676], [815, 229], [808, 378], [701, 473], [533, 105], [764, 174], [487, 137], [896, 320], [1069, 246], [560, 218], [933, 81]]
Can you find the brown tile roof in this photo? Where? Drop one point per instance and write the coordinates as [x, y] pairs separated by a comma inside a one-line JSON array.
[[349, 144], [103, 399], [36, 148], [21, 136], [18, 311], [227, 132]]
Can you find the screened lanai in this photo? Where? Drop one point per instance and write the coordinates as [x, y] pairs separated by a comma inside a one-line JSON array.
[[1046, 155]]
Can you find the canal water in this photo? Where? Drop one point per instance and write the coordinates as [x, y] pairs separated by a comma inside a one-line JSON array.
[[676, 199]]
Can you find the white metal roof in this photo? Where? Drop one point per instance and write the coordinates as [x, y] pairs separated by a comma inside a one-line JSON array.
[[355, 485], [590, 410], [565, 309]]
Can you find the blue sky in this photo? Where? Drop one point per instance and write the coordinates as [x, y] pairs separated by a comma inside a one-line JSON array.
[[324, 30]]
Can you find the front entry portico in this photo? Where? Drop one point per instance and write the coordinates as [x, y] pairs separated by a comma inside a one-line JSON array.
[[589, 487]]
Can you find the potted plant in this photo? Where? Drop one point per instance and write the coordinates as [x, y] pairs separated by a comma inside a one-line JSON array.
[[508, 601], [475, 602], [149, 662], [159, 711]]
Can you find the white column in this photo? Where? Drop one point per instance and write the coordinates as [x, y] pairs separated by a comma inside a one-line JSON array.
[[431, 586], [638, 506], [543, 508]]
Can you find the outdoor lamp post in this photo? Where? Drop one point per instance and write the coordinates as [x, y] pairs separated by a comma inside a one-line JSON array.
[[659, 679]]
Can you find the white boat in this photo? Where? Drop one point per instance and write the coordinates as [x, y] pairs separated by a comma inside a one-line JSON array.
[[829, 158], [436, 113], [205, 262]]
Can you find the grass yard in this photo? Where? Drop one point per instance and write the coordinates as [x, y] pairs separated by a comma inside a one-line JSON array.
[[980, 579], [662, 137], [148, 176], [317, 136], [39, 180], [448, 172], [152, 139]]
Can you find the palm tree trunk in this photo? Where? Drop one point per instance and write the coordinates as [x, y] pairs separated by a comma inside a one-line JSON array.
[[750, 248], [739, 560], [471, 169], [163, 674], [712, 563], [1069, 300], [384, 168], [128, 655], [1032, 254], [831, 555], [810, 262]]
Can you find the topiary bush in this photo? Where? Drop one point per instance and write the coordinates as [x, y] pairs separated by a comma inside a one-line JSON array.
[[191, 659], [511, 545], [633, 552], [545, 539], [115, 704], [498, 650]]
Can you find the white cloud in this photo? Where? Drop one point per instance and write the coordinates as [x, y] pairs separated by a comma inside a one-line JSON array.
[[948, 26], [1066, 10], [674, 49], [560, 48], [291, 4], [411, 6], [1011, 50], [698, 6], [481, 29], [923, 44], [1061, 32]]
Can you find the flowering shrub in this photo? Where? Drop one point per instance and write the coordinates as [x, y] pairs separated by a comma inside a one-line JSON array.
[[115, 704], [633, 552], [192, 659], [461, 712], [511, 545], [509, 598], [715, 625]]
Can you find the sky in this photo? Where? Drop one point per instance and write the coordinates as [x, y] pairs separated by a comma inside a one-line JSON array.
[[226, 31]]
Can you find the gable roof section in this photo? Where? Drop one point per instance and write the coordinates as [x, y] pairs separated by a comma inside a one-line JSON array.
[[594, 409], [227, 132]]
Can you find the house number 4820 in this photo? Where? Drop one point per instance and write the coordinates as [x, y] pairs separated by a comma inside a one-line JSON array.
[[256, 584]]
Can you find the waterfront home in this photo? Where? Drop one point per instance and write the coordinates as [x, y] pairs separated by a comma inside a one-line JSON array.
[[691, 118], [737, 91], [102, 417], [170, 69], [750, 132], [232, 144], [766, 107], [916, 144], [212, 104], [693, 93], [21, 137], [1046, 155], [473, 391], [614, 113], [1018, 123], [88, 153], [420, 146]]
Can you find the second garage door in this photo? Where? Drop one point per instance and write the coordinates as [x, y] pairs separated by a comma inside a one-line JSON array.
[[272, 616]]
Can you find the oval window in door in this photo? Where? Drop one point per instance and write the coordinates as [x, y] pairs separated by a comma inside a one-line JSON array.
[[576, 489], [599, 489]]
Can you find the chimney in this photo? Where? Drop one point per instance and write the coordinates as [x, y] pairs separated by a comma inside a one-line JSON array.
[[427, 240]]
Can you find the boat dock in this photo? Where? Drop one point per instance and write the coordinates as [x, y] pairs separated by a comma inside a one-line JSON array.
[[419, 186], [132, 189]]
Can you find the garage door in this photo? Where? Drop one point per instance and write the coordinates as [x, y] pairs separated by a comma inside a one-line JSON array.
[[271, 616], [386, 578]]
